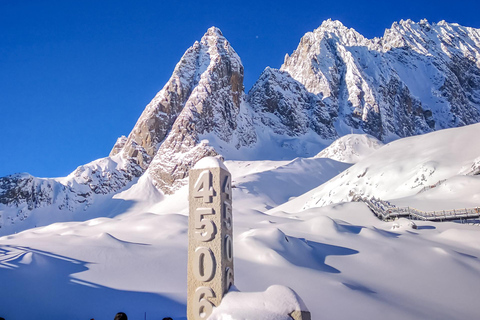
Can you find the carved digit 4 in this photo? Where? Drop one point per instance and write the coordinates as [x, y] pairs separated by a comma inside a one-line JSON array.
[[227, 187], [202, 306], [204, 268], [203, 187], [207, 229]]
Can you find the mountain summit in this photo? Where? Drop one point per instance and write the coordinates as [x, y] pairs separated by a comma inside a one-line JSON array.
[[212, 60], [213, 107], [417, 78]]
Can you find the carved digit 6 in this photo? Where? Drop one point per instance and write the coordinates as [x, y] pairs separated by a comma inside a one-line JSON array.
[[204, 268], [201, 306], [207, 229], [229, 279]]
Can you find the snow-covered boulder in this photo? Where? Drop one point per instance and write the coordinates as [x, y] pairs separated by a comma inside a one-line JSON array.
[[276, 303]]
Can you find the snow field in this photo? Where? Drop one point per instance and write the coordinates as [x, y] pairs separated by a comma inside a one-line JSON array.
[[129, 253]]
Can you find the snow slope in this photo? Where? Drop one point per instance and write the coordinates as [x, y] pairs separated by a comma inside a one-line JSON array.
[[404, 168], [351, 148], [135, 260]]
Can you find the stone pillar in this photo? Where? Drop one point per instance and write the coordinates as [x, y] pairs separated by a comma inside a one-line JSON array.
[[210, 246]]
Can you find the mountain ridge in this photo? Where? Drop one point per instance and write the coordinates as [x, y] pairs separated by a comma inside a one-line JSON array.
[[336, 82]]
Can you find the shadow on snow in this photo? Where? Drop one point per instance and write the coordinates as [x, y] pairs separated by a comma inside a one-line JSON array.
[[38, 285]]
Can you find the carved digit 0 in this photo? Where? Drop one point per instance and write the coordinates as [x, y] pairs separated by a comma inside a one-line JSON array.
[[203, 187], [202, 306], [228, 248], [227, 209], [204, 268], [207, 229]]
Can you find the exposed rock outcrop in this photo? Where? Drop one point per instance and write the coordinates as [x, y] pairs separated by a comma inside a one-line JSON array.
[[285, 105], [212, 109]]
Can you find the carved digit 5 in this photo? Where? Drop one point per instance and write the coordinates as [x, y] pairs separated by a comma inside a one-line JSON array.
[[203, 187], [201, 305], [207, 227], [204, 268], [227, 209]]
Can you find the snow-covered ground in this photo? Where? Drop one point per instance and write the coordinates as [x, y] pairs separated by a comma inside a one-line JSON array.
[[131, 255]]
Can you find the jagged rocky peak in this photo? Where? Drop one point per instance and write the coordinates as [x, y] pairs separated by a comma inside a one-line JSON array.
[[423, 36], [212, 109], [418, 78], [347, 36], [160, 114], [220, 68], [407, 33], [315, 62]]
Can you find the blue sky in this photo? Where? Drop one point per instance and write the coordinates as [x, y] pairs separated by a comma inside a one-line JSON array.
[[75, 75]]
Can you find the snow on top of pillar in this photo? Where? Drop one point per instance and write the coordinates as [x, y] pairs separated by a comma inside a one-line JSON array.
[[210, 162]]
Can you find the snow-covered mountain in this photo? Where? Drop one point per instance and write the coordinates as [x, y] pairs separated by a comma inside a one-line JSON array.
[[20, 194], [417, 78]]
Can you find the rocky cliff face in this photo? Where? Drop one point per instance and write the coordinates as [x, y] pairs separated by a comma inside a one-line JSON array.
[[24, 193], [213, 108], [285, 105], [27, 192], [160, 114], [417, 78]]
